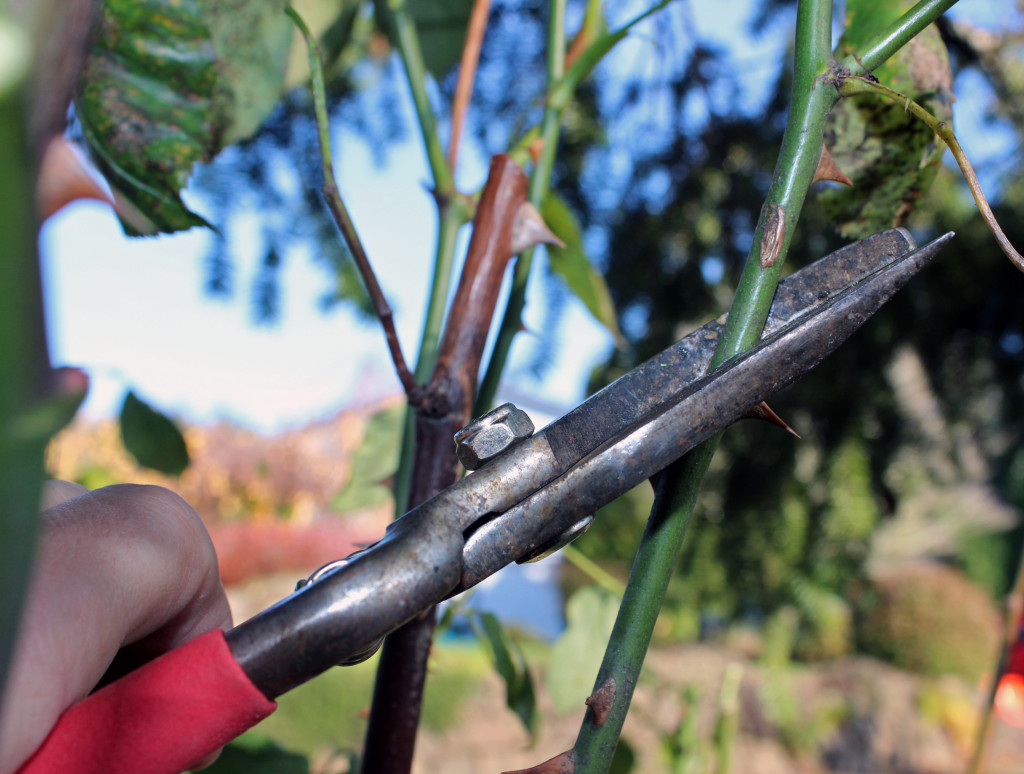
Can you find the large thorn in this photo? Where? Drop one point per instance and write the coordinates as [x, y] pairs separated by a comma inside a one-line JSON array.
[[829, 170], [530, 229], [563, 763], [764, 412]]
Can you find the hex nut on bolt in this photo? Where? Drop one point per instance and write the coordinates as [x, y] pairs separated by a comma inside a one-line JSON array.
[[485, 438]]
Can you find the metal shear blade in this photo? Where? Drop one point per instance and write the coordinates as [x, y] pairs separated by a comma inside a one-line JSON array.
[[790, 348], [539, 489]]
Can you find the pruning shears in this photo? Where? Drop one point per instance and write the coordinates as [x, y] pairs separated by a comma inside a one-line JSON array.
[[527, 500]]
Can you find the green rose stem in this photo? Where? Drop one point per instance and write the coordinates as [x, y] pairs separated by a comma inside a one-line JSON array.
[[814, 94], [20, 322], [35, 402], [332, 195]]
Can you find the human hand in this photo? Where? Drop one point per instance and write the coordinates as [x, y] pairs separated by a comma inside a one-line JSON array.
[[122, 574]]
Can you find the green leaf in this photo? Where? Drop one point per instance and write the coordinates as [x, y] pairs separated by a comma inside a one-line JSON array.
[[252, 39], [152, 438], [826, 628], [254, 754], [890, 156], [167, 84], [145, 106], [375, 461], [441, 27], [511, 666], [571, 264], [684, 750], [576, 655]]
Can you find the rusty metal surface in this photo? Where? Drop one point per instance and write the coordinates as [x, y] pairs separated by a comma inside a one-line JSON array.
[[525, 499]]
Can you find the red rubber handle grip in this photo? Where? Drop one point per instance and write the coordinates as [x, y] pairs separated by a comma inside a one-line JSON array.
[[159, 719]]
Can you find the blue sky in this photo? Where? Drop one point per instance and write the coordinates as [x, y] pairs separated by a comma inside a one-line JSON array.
[[133, 314]]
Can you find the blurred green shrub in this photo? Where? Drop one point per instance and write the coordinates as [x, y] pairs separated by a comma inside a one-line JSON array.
[[929, 618], [374, 462], [826, 625]]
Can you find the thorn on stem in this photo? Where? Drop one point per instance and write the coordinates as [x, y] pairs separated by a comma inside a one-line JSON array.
[[601, 702], [829, 170], [530, 229], [535, 149], [764, 412], [563, 763]]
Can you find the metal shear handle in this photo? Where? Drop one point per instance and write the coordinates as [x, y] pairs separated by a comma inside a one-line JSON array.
[[536, 491]]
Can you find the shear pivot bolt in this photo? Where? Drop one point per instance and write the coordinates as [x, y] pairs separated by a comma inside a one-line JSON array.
[[487, 437]]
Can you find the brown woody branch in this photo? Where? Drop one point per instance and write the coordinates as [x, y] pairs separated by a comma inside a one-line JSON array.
[[467, 74], [338, 210], [446, 406], [469, 320], [380, 304]]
